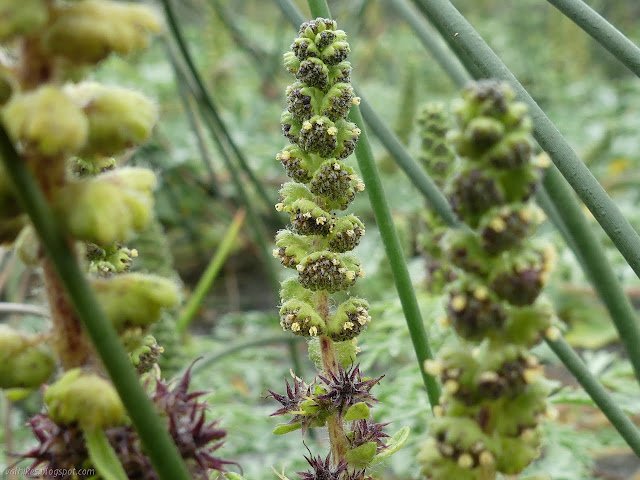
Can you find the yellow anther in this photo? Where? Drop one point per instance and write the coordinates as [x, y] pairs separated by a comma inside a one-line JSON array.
[[295, 327], [279, 206], [275, 252], [306, 215], [465, 461], [497, 224], [350, 274], [333, 131], [552, 333], [286, 155], [363, 319], [313, 331], [542, 160], [530, 375], [355, 100], [335, 261], [336, 166], [321, 220], [551, 414], [300, 268], [347, 326], [360, 186], [356, 131], [433, 367], [458, 303], [361, 232], [481, 293], [307, 125], [526, 214], [486, 458], [134, 253], [361, 273], [350, 233], [451, 386], [489, 376]]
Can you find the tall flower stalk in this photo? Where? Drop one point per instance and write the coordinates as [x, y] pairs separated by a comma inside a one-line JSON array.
[[317, 245], [493, 399]]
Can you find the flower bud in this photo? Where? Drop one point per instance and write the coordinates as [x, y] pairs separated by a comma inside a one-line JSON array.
[[292, 248], [85, 398], [24, 363], [22, 17], [88, 31], [107, 208], [350, 319], [46, 122], [328, 271], [134, 299], [119, 118], [346, 234]]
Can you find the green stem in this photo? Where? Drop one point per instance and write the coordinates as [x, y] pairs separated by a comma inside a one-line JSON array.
[[394, 255], [597, 392], [602, 31], [192, 120], [206, 98], [319, 8], [335, 424], [597, 267], [210, 274], [151, 429], [465, 41], [432, 42]]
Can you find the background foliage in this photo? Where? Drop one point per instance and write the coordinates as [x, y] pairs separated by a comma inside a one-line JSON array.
[[238, 46]]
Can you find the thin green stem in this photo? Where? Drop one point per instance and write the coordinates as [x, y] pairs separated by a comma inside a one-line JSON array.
[[210, 274], [465, 41], [255, 222], [597, 267], [156, 440], [204, 96], [319, 8], [432, 42], [602, 31], [394, 255], [597, 392], [192, 120]]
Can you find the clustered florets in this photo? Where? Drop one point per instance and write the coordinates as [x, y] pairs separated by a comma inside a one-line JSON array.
[[318, 242], [318, 246], [492, 398]]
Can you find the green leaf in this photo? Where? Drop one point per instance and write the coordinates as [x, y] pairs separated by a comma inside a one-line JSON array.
[[357, 412], [286, 428], [396, 442], [102, 455], [360, 456]]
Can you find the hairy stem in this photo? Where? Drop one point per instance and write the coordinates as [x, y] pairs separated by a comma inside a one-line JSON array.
[[334, 422]]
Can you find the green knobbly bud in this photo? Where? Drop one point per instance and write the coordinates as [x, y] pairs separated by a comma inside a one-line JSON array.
[[351, 318], [22, 18], [85, 398], [90, 30], [134, 299], [107, 208], [24, 361], [301, 319], [119, 118], [346, 234], [46, 122]]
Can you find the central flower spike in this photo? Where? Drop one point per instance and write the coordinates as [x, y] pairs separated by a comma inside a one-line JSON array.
[[318, 241]]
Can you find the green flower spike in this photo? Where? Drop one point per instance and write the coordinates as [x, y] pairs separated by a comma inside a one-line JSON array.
[[493, 399], [318, 246]]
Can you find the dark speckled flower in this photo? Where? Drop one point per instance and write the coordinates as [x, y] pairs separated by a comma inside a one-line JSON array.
[[346, 388], [324, 470]]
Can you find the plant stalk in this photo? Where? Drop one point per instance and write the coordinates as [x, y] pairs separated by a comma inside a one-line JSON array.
[[157, 442]]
